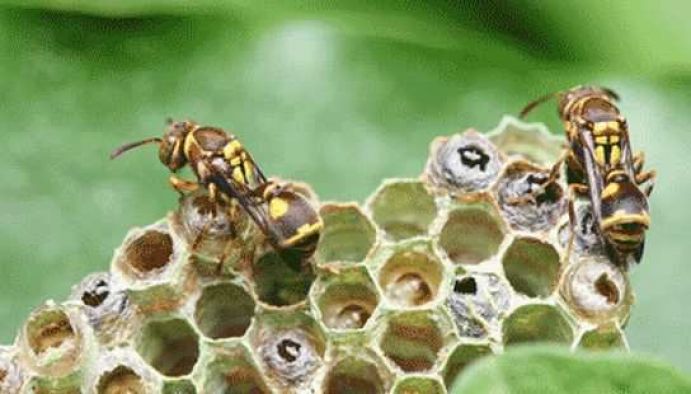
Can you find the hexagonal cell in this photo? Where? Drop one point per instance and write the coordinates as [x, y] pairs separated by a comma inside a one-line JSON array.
[[460, 358], [528, 200], [403, 209], [52, 341], [122, 379], [473, 232], [150, 265], [278, 283], [146, 252], [605, 337], [412, 340], [357, 371], [537, 323], [418, 385], [216, 235], [348, 234], [411, 276], [178, 386], [478, 302], [107, 308], [346, 300], [532, 267], [170, 346], [463, 162], [596, 289], [232, 371], [530, 141], [290, 346], [224, 310], [11, 375]]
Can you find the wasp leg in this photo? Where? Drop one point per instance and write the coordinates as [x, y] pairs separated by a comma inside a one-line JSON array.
[[182, 186], [579, 188], [638, 161], [647, 178]]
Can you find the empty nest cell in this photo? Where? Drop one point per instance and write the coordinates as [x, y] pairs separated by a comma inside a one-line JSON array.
[[403, 209], [169, 346], [472, 233], [224, 311]]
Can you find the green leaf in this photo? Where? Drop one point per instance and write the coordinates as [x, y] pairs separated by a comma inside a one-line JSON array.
[[556, 370]]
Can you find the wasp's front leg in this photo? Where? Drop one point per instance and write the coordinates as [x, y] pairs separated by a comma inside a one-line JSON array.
[[647, 178], [182, 186]]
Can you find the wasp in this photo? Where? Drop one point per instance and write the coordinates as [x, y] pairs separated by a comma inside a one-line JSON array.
[[227, 170], [600, 164]]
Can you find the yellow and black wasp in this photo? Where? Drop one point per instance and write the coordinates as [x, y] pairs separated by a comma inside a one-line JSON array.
[[223, 166], [601, 165]]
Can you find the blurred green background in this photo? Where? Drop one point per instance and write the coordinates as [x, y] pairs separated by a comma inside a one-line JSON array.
[[339, 94]]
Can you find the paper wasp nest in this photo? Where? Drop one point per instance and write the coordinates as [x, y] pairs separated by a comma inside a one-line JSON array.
[[402, 294]]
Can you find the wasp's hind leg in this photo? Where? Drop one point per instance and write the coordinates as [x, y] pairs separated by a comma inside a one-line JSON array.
[[647, 179]]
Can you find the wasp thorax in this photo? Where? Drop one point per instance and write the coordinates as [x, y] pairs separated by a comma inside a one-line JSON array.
[[463, 162]]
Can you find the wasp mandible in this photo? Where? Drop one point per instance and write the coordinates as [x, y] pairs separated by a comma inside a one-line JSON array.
[[223, 166], [601, 165]]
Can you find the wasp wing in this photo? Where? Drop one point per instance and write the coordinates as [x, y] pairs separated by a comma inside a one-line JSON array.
[[592, 172]]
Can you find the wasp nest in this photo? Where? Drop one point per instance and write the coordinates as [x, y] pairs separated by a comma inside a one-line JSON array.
[[401, 295]]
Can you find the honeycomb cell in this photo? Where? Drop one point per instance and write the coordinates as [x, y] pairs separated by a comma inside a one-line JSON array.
[[532, 267], [279, 283], [348, 234], [537, 323], [290, 346], [232, 371], [478, 302], [473, 232], [121, 380], [150, 265], [178, 386], [411, 277], [52, 341], [528, 200], [412, 340], [403, 209], [224, 310], [356, 371], [419, 385], [346, 300], [460, 358], [216, 235], [106, 306], [463, 162], [530, 141], [596, 289], [170, 346], [606, 337], [150, 251]]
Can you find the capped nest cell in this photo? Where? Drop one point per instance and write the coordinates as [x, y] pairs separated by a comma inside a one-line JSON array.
[[402, 294]]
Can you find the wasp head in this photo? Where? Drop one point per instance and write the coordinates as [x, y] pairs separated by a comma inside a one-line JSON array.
[[171, 150]]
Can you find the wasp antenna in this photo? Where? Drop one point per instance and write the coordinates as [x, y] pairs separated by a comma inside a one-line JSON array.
[[531, 105], [169, 121], [611, 93], [117, 152]]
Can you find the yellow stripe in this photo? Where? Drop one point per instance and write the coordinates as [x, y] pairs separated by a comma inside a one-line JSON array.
[[238, 176], [303, 231], [278, 207], [610, 190], [622, 218]]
